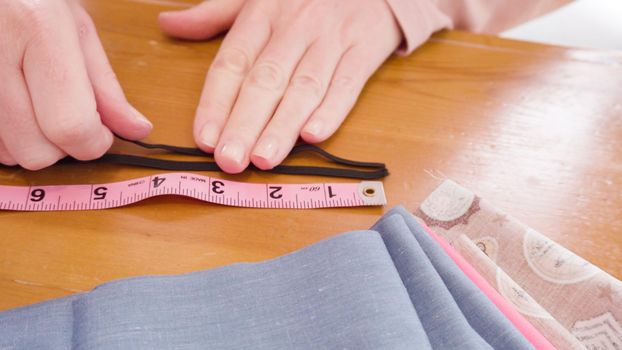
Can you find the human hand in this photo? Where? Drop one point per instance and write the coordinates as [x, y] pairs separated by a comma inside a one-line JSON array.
[[286, 68], [59, 95]]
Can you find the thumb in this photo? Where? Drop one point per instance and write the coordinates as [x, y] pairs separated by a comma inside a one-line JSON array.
[[203, 21]]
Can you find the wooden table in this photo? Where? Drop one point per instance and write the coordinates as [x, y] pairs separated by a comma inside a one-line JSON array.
[[535, 129]]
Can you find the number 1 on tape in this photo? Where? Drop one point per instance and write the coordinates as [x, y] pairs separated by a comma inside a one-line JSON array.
[[208, 189]]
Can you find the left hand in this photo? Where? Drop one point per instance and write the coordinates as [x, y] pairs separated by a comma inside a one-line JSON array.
[[286, 68]]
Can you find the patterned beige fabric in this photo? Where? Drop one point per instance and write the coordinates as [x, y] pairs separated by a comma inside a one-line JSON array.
[[572, 302]]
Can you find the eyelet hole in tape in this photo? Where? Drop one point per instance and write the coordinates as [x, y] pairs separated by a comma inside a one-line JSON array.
[[369, 192], [372, 193]]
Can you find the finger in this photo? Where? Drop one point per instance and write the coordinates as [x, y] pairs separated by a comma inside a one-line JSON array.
[[352, 73], [306, 90], [238, 52], [5, 156], [115, 111], [60, 90], [20, 134], [203, 21], [260, 94]]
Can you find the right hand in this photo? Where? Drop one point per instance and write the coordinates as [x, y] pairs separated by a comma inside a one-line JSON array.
[[58, 93]]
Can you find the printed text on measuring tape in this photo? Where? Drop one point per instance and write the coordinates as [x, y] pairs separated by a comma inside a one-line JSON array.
[[208, 189]]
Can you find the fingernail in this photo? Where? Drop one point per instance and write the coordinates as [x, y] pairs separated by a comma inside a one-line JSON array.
[[266, 148], [314, 128], [209, 136], [234, 151], [140, 117]]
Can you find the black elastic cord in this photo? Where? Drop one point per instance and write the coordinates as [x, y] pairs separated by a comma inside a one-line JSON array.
[[315, 149], [302, 147], [190, 151], [366, 171]]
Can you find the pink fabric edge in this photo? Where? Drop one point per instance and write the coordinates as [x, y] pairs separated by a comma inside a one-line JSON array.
[[525, 327]]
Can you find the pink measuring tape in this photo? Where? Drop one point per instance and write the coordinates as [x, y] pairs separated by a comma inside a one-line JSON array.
[[208, 189]]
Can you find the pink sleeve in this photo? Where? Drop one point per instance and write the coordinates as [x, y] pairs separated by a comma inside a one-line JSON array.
[[494, 16], [420, 18]]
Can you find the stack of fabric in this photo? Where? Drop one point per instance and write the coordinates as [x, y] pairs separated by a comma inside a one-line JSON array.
[[395, 286], [573, 303]]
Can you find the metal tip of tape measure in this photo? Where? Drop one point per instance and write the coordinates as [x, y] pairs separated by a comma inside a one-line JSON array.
[[372, 193]]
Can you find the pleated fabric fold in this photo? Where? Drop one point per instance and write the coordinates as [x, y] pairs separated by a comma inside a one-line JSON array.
[[391, 287], [479, 312]]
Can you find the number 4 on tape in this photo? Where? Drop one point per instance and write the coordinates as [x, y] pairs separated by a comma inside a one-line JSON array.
[[239, 194]]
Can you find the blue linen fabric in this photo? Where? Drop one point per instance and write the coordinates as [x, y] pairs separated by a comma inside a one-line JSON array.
[[374, 289], [442, 319], [483, 317]]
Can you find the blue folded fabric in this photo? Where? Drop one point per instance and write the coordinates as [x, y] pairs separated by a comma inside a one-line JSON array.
[[440, 315], [386, 288], [480, 313]]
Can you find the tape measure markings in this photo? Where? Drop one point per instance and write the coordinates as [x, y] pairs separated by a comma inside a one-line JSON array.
[[208, 189]]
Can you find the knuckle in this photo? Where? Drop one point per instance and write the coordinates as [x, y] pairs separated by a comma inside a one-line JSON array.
[[84, 25], [321, 14], [267, 75], [74, 131], [309, 84], [232, 60], [345, 83], [34, 18], [24, 10]]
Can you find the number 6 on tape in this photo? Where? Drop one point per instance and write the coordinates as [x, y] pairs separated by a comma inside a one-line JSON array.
[[208, 189]]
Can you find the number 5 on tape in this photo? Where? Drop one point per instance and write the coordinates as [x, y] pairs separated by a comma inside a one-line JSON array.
[[208, 189]]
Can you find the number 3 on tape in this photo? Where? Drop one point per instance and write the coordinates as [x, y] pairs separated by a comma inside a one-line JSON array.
[[239, 194]]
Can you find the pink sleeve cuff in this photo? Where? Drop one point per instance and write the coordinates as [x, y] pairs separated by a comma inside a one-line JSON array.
[[418, 19]]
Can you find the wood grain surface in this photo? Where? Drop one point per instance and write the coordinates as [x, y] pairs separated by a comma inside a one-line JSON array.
[[537, 130]]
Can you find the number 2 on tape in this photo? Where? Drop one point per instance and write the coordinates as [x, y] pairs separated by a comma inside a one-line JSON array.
[[239, 194]]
